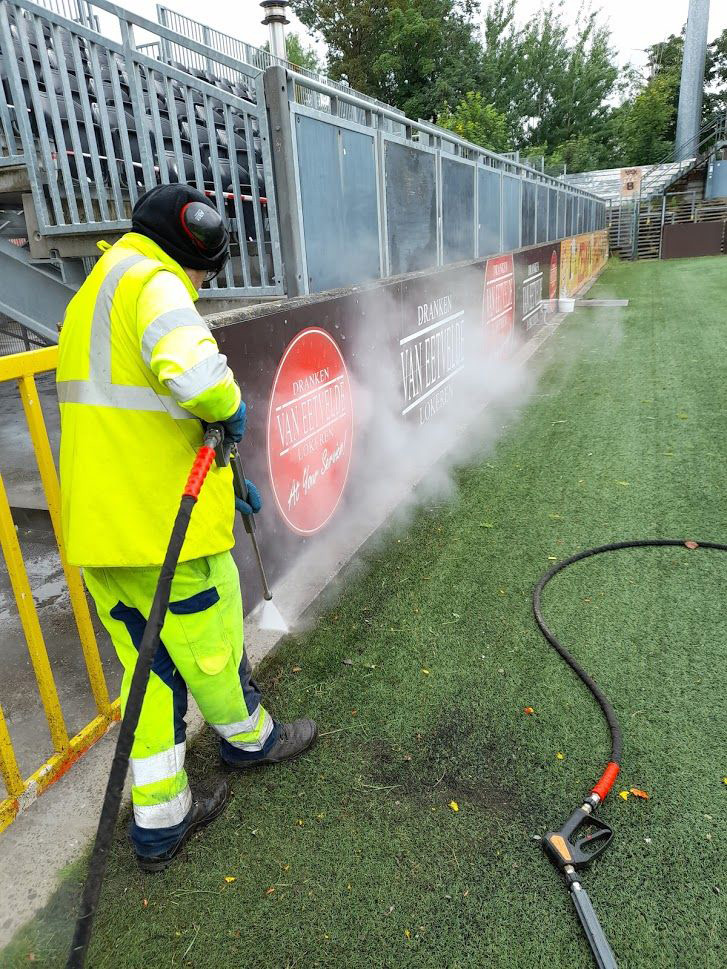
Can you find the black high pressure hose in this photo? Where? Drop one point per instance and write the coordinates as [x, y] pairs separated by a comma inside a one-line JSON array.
[[205, 456], [567, 852]]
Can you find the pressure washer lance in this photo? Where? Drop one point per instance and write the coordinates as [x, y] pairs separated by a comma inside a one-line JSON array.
[[238, 483], [213, 441], [270, 617], [567, 852]]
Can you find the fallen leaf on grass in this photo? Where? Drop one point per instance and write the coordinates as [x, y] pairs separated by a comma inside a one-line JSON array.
[[486, 525], [145, 902], [625, 484], [692, 545], [270, 890], [528, 710], [682, 416], [297, 669], [230, 879], [407, 934], [637, 793], [552, 558], [347, 662], [425, 672], [560, 756], [454, 806], [624, 795]]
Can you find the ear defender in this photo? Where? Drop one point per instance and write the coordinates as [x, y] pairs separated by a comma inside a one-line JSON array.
[[204, 226], [186, 225]]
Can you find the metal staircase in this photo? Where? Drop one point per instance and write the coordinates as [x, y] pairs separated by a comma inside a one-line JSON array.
[[649, 211]]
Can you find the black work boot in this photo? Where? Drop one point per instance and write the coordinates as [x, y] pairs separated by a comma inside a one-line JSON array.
[[203, 811], [292, 739]]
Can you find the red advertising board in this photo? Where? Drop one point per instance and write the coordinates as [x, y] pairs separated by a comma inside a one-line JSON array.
[[498, 310], [414, 350], [310, 430]]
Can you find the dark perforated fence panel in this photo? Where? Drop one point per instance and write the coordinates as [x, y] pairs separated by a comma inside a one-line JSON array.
[[488, 203], [529, 209], [458, 210], [411, 207], [337, 169]]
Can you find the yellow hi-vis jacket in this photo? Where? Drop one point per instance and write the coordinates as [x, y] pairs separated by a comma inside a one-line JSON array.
[[137, 368]]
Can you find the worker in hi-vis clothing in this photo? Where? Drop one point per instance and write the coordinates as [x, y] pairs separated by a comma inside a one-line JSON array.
[[138, 373]]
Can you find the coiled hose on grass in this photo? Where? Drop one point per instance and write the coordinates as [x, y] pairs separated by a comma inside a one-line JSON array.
[[569, 847], [601, 698]]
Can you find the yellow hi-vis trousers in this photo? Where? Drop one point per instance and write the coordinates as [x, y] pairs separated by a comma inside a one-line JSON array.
[[201, 648]]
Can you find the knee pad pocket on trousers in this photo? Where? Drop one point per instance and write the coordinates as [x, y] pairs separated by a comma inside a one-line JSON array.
[[199, 618]]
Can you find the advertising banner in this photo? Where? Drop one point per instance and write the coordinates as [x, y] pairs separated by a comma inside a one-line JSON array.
[[354, 389], [581, 258], [310, 430], [498, 311]]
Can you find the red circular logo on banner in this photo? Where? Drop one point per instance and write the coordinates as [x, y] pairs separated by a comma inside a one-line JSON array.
[[310, 430]]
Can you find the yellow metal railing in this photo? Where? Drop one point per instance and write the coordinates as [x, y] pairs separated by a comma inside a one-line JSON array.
[[22, 368]]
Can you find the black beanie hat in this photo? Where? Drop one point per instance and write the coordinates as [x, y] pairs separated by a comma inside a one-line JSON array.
[[160, 215]]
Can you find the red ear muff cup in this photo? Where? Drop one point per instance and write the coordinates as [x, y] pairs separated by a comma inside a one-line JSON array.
[[204, 227], [185, 224]]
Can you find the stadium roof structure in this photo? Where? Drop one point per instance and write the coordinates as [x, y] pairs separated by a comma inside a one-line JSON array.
[[607, 182]]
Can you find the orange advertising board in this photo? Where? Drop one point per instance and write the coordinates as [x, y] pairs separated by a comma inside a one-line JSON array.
[[581, 258]]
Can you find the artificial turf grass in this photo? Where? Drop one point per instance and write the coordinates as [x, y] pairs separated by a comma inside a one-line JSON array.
[[379, 853]]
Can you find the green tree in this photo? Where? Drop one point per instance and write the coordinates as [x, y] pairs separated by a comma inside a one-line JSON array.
[[553, 80], [297, 53], [566, 79], [353, 31], [418, 55], [715, 99], [431, 57], [664, 60], [476, 121], [584, 152], [501, 54], [645, 126]]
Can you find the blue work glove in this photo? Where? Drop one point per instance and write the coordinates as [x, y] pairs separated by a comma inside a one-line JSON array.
[[254, 502], [235, 425]]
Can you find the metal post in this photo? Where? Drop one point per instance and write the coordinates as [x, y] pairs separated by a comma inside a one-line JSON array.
[[691, 91], [275, 20], [286, 189], [663, 216], [635, 230]]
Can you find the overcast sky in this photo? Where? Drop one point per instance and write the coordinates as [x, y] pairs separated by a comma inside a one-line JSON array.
[[634, 23]]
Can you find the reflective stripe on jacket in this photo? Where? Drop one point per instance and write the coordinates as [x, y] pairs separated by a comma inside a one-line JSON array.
[[137, 368]]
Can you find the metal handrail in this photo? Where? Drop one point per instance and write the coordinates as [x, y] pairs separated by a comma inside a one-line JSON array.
[[713, 127], [248, 53]]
